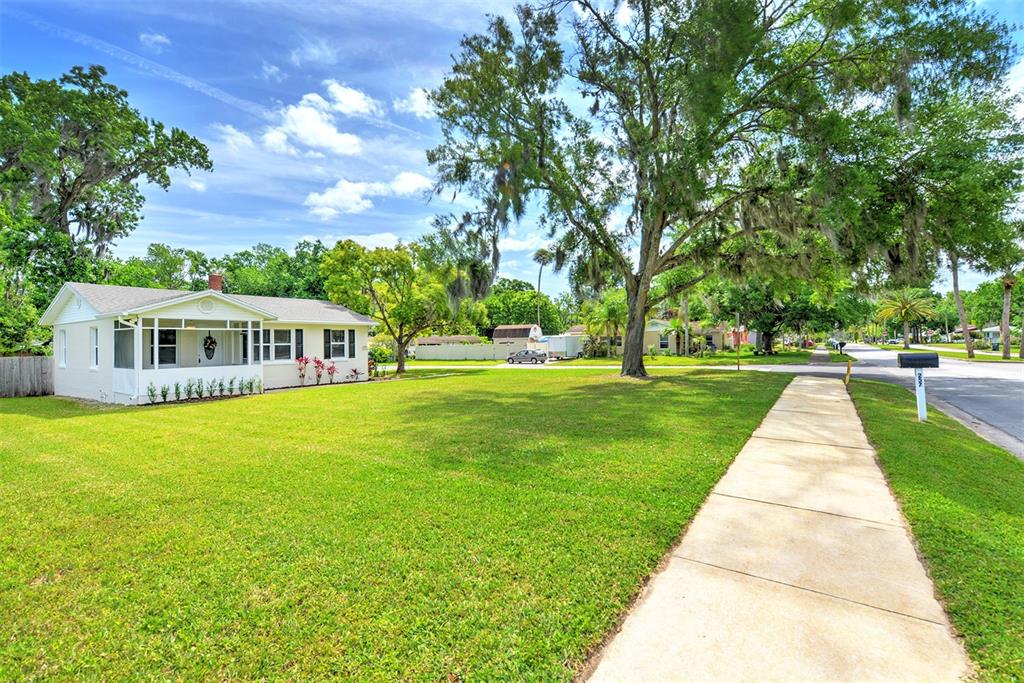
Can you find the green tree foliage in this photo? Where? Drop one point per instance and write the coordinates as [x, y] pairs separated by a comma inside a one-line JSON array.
[[391, 285], [517, 307], [905, 306], [78, 150], [164, 267], [73, 153], [266, 270], [713, 129], [606, 317]]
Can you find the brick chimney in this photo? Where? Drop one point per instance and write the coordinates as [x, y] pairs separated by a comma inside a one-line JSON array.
[[216, 281]]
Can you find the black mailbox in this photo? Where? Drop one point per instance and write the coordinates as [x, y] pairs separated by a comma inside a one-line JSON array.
[[918, 360]]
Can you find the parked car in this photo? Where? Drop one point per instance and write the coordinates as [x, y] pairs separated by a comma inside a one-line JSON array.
[[527, 356], [893, 341]]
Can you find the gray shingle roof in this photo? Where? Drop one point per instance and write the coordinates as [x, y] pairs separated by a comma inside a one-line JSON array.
[[110, 299]]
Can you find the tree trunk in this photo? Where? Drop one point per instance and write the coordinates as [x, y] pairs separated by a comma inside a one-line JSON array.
[[400, 357], [1020, 352], [1004, 324], [954, 267], [686, 322], [906, 335], [633, 351], [539, 273]]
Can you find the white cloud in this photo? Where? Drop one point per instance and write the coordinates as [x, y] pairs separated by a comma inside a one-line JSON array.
[[154, 42], [235, 139], [309, 124], [351, 101], [529, 243], [272, 72], [623, 14], [317, 51], [417, 104], [372, 241], [196, 184], [277, 141], [347, 196]]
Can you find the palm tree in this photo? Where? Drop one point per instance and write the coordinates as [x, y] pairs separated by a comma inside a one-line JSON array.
[[608, 316], [678, 328], [543, 257], [906, 307]]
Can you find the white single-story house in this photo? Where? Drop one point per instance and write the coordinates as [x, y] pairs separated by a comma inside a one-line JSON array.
[[110, 343]]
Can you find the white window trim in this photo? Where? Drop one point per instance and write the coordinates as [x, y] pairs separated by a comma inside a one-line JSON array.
[[94, 348], [273, 346], [62, 349], [343, 343]]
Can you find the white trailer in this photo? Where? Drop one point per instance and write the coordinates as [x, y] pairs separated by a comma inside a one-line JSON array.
[[565, 345]]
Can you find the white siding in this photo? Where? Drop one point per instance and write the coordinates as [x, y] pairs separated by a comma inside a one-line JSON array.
[[75, 310], [277, 374], [222, 310], [78, 379]]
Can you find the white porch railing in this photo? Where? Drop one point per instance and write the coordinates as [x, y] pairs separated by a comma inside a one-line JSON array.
[[168, 376]]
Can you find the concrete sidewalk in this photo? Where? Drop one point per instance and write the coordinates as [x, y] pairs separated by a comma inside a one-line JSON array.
[[798, 567]]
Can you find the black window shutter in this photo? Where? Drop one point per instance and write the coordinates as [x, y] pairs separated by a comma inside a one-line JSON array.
[[327, 344], [298, 344], [351, 343]]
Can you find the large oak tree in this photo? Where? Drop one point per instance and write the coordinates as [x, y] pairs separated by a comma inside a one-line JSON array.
[[693, 133]]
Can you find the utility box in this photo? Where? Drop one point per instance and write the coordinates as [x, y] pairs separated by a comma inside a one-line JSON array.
[[918, 360]]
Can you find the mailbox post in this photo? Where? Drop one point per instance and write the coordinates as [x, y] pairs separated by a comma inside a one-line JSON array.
[[919, 361]]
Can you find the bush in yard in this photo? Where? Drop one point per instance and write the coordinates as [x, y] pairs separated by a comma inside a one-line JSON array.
[[231, 386], [190, 388], [177, 391], [211, 387], [382, 353], [258, 385], [318, 367], [164, 391], [331, 370], [151, 392], [221, 387], [302, 362]]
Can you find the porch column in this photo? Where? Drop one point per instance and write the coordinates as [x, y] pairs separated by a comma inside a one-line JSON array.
[[156, 343], [138, 358], [248, 340]]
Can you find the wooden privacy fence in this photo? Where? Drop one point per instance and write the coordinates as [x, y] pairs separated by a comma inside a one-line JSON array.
[[26, 376]]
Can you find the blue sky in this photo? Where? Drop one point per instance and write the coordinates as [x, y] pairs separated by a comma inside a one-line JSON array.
[[313, 111]]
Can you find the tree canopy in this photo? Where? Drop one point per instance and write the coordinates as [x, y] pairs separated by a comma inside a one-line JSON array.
[[717, 135]]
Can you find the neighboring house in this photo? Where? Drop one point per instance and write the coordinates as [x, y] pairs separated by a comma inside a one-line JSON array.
[[516, 334], [991, 334], [111, 342], [658, 336]]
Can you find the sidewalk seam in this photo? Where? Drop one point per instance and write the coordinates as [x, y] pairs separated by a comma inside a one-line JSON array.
[[811, 590], [797, 507]]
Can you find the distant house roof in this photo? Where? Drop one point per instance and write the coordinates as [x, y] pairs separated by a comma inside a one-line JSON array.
[[110, 300], [577, 330], [436, 339], [516, 332]]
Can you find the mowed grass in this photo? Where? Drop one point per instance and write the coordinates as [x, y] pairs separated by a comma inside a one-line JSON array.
[[488, 525], [964, 499], [747, 357]]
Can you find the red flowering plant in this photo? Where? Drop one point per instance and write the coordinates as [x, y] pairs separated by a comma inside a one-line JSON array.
[[318, 368], [331, 369], [302, 362]]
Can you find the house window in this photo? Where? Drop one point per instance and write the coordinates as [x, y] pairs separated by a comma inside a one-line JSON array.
[[63, 349], [298, 344], [282, 345], [167, 347], [663, 341], [94, 347], [334, 344]]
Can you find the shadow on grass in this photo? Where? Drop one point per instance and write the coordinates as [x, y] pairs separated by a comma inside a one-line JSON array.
[[539, 422]]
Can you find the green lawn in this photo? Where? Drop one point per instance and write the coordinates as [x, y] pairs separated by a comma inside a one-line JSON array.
[[964, 499], [486, 525], [837, 357], [959, 355], [1014, 348], [747, 357]]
